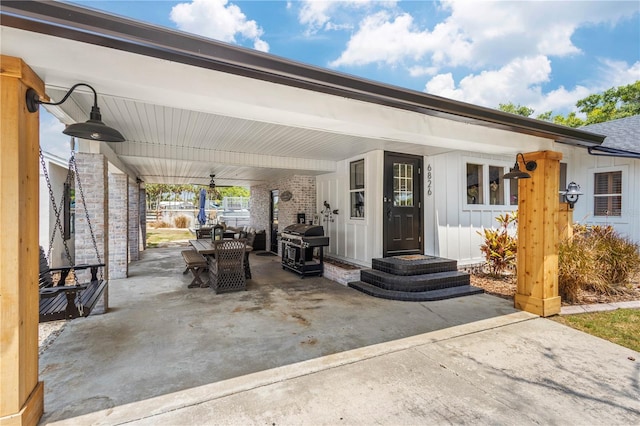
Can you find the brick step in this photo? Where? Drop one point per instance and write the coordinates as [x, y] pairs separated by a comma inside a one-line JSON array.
[[416, 296], [423, 282], [414, 265]]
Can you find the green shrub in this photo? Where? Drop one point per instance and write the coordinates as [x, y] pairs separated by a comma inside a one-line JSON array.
[[595, 258], [499, 246], [181, 221]]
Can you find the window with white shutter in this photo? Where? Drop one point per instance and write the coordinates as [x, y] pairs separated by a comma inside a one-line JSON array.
[[607, 194]]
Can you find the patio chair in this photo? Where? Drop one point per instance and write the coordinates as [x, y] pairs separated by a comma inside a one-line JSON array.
[[226, 267]]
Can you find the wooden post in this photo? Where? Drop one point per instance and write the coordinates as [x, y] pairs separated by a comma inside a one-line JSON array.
[[21, 395], [537, 290], [565, 221]]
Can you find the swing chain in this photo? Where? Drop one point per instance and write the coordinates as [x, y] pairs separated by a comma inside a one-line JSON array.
[[57, 212]]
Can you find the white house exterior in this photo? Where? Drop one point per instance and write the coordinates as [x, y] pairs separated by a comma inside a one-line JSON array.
[[452, 220]]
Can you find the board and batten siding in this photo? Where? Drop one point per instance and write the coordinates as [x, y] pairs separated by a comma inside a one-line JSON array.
[[356, 240], [581, 168], [451, 224]]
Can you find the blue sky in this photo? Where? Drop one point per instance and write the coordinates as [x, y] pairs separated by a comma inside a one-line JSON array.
[[542, 54]]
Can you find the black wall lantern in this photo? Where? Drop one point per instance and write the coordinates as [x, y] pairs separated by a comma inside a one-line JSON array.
[[515, 172], [93, 129], [572, 193]]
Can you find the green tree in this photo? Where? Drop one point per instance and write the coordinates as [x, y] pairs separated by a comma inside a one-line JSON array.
[[234, 191], [516, 109], [614, 103], [570, 120]]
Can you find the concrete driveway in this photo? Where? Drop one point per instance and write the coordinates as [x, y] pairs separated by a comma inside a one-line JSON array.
[[311, 351]]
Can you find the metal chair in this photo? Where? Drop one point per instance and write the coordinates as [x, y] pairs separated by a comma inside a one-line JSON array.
[[226, 267]]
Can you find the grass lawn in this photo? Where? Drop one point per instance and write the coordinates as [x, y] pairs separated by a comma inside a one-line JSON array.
[[621, 326], [165, 235]]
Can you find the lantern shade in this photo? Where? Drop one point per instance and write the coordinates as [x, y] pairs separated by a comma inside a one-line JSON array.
[[516, 173], [92, 129]]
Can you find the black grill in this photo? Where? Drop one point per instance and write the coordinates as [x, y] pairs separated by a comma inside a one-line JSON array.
[[298, 244]]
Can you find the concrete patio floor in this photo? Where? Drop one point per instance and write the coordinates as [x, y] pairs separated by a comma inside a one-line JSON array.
[[311, 351]]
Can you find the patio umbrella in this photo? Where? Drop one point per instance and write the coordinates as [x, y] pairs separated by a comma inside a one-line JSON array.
[[202, 216]]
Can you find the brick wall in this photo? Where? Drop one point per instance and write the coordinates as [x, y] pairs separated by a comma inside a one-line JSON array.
[[92, 178], [303, 200], [118, 226]]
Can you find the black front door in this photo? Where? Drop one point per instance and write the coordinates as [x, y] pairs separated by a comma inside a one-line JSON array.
[[402, 231]]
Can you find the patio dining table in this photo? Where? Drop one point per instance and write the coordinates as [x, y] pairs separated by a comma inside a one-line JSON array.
[[205, 247]]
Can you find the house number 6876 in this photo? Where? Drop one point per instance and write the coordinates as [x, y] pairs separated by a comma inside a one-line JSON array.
[[429, 192]]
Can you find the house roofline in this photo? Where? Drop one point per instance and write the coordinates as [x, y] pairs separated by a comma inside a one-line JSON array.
[[612, 152], [94, 27]]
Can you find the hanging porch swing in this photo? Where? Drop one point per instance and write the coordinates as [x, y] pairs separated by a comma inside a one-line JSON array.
[[61, 299]]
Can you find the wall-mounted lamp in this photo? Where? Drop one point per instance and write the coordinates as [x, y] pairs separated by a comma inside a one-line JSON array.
[[93, 129], [515, 172], [139, 181], [572, 193]]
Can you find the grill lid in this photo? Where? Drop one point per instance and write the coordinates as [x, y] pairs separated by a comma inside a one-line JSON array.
[[305, 230]]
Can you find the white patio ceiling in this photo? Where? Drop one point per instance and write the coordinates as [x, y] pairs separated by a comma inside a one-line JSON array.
[[184, 122]]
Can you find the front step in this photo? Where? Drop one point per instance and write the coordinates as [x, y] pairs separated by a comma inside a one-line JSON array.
[[416, 296], [414, 265], [417, 278], [415, 283]]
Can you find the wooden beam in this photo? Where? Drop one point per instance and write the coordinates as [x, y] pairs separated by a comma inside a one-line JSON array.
[[537, 289], [21, 395]]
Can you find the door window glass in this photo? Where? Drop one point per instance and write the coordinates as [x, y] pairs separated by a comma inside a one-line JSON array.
[[402, 185]]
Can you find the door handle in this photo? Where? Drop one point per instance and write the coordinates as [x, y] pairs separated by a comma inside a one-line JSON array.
[[389, 214]]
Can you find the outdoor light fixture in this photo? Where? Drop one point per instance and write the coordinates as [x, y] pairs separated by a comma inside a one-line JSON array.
[[572, 194], [93, 129], [515, 172]]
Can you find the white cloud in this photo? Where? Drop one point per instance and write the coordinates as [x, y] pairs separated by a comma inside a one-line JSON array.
[[382, 40], [418, 71], [520, 82], [477, 34], [618, 73], [319, 15], [217, 19], [503, 49]]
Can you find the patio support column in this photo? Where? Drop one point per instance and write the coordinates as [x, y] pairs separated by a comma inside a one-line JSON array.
[[537, 289], [21, 395], [143, 219], [118, 225], [134, 219], [93, 173]]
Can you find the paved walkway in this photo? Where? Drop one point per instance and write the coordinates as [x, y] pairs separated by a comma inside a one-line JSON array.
[[599, 307]]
